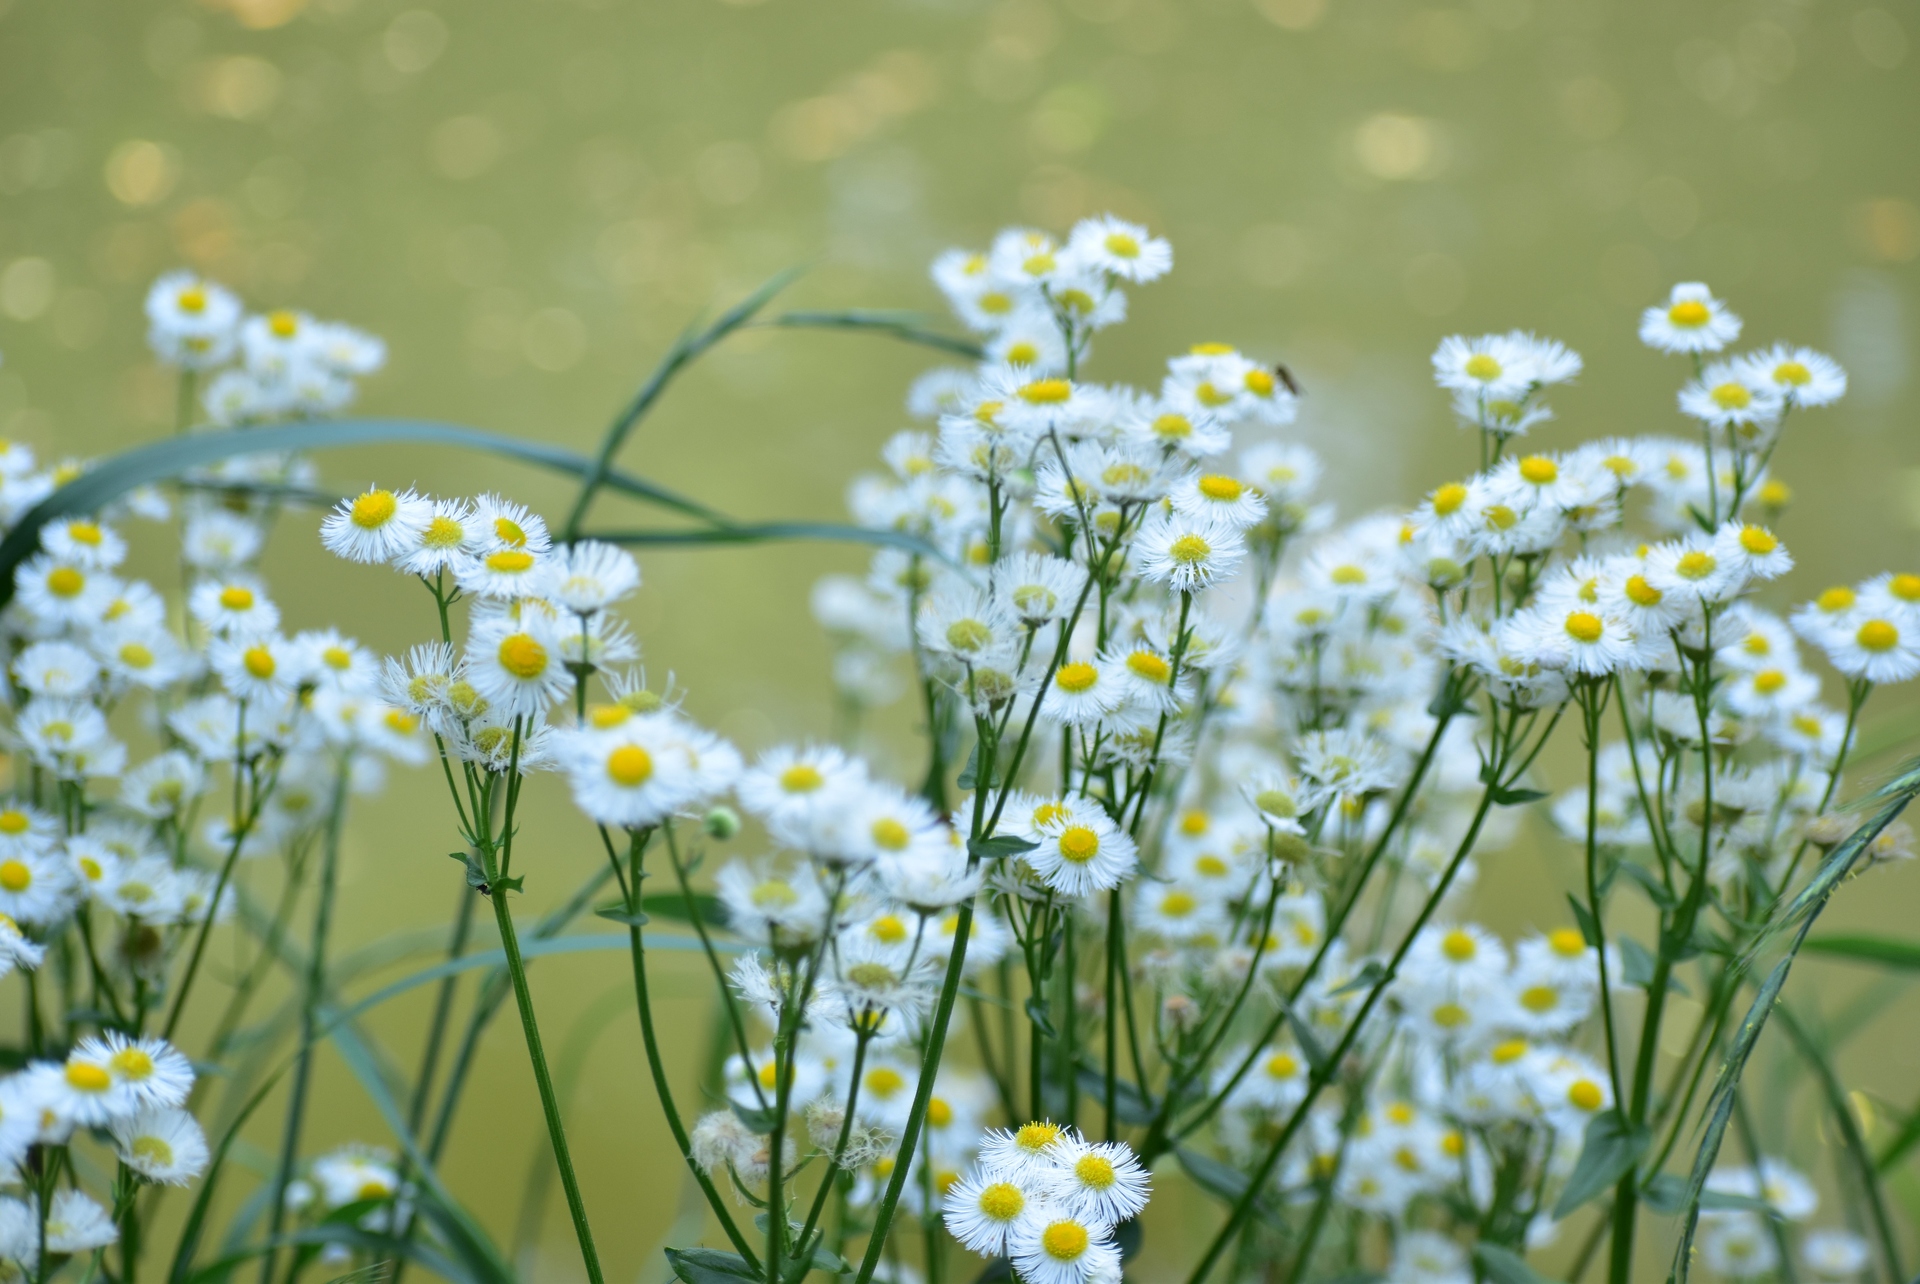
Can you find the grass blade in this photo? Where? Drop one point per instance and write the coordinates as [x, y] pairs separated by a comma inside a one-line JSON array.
[[771, 532], [1861, 947], [905, 326]]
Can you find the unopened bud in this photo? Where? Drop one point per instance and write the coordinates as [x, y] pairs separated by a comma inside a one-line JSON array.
[[722, 823]]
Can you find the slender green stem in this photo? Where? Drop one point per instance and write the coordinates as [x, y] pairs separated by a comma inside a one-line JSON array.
[[309, 1018]]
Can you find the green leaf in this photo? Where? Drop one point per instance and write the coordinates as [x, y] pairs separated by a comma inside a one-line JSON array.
[[710, 1266], [772, 532], [1309, 1044], [517, 883], [1129, 1236], [969, 776], [476, 872], [1507, 797], [759, 1119], [1221, 1180], [1130, 1105], [1611, 1150], [618, 913], [1862, 947], [1667, 1193], [1636, 965], [1589, 930], [999, 847], [1504, 1266], [1041, 1018], [157, 461], [1371, 973], [673, 905], [905, 326]]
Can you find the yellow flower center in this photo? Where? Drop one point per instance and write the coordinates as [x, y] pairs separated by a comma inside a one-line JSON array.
[[1584, 626], [1046, 392], [995, 303], [968, 635], [801, 778], [133, 1063], [1195, 823], [774, 893], [1348, 573], [1539, 470], [1775, 494], [1507, 1053], [65, 581], [1539, 998], [1450, 1016], [510, 561], [1095, 1171], [191, 299], [1022, 353], [1216, 486], [1064, 1241], [1448, 498], [84, 533], [1036, 1136], [1149, 666], [153, 1150], [1689, 314], [871, 976], [1641, 593], [629, 766], [1696, 565], [1835, 599], [1905, 586], [1122, 246], [15, 876], [1768, 681], [1585, 1095], [284, 324], [1076, 677], [508, 531], [885, 1081], [373, 1188], [1173, 426], [85, 1076], [1259, 382], [1079, 844], [1178, 904], [1275, 802], [1211, 867], [939, 1113], [1048, 813], [1878, 635], [1482, 367], [1002, 1201], [1190, 550], [13, 821], [259, 662], [522, 656], [1459, 946], [236, 597], [1282, 1066], [374, 509], [443, 532], [1500, 517], [1732, 396]]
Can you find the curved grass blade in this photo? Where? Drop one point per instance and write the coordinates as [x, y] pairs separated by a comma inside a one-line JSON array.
[[160, 460], [685, 350], [1862, 947], [203, 1200], [1806, 908], [768, 532], [904, 326]]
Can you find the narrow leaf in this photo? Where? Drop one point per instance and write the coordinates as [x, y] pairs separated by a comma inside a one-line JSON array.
[[1504, 1266], [1000, 847], [1861, 947], [1611, 1150], [1371, 973], [710, 1266], [774, 532]]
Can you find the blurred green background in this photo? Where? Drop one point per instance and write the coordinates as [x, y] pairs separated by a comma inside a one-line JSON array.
[[529, 198]]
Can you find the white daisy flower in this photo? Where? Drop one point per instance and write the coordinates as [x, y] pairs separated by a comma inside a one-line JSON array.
[[1121, 249], [1755, 551], [219, 541], [452, 534], [1691, 320], [376, 525], [1179, 913], [981, 1210], [1490, 367], [1193, 431], [1591, 643], [1083, 854], [789, 782], [1835, 1254], [1219, 495], [149, 1072], [82, 541], [1798, 376], [258, 669], [506, 574], [1081, 694], [16, 950], [347, 350], [354, 1173], [1879, 648], [60, 592], [76, 1223], [1727, 395], [163, 1145], [1019, 1154], [191, 321], [516, 666], [57, 669], [1037, 588], [235, 606], [590, 576], [1690, 569], [633, 775], [1051, 1246], [1096, 1182], [1187, 553]]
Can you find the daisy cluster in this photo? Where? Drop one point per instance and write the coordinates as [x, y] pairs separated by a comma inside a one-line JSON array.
[[1048, 1200], [1739, 1243], [256, 367], [1236, 695]]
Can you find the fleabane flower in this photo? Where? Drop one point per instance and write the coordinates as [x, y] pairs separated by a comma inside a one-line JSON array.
[[982, 1208], [1118, 248], [590, 576], [1188, 553], [1081, 854], [1797, 376], [1880, 648], [452, 534], [191, 321], [1691, 320], [1589, 642], [1096, 1182], [1052, 1246], [1490, 367], [1754, 551], [376, 525], [163, 1145], [633, 775], [516, 665]]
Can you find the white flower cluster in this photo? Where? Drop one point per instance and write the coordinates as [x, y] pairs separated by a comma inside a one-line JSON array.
[[1048, 1199], [260, 367]]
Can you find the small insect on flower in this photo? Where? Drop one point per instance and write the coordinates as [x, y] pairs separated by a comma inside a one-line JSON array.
[[377, 525]]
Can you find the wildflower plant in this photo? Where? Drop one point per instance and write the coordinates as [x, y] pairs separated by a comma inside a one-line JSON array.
[[1178, 886]]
